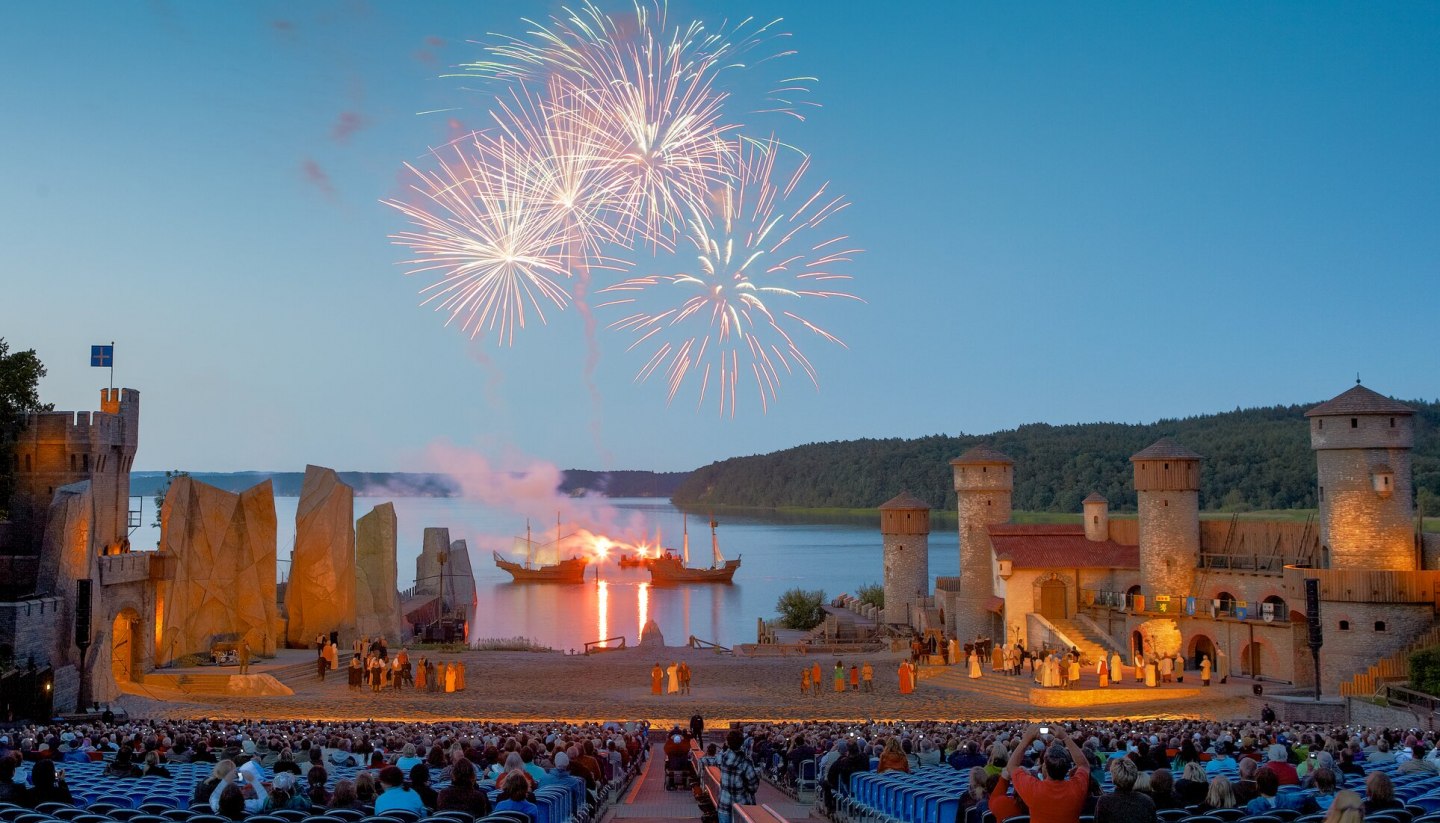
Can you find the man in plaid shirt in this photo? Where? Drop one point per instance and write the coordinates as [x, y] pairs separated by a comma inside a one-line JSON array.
[[738, 778]]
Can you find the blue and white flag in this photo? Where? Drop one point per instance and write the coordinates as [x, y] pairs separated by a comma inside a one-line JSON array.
[[102, 356]]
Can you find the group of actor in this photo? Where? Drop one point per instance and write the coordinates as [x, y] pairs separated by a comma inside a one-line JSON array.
[[673, 679]]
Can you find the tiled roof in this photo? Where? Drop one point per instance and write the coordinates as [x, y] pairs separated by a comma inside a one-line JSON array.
[[904, 500], [1095, 497], [1059, 546], [1360, 400], [1165, 449], [982, 454]]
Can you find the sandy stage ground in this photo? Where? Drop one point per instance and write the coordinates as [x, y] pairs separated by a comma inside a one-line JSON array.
[[616, 685]]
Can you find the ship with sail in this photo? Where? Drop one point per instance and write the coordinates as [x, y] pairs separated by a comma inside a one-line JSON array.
[[669, 569], [534, 569]]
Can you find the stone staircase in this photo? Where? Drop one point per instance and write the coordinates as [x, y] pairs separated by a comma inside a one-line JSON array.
[[992, 684], [1390, 669], [214, 684], [1085, 638]]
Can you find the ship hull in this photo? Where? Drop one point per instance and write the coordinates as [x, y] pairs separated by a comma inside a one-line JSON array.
[[566, 571], [666, 571]]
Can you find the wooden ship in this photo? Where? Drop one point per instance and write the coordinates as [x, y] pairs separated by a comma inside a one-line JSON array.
[[569, 570], [669, 569]]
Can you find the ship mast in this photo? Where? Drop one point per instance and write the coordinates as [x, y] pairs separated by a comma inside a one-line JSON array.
[[529, 544], [718, 559]]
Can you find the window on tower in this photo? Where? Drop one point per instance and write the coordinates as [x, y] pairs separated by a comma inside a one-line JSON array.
[[1379, 625], [1344, 625], [1392, 422], [1354, 422]]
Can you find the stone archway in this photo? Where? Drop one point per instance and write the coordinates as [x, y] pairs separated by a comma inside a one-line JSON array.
[[127, 657], [1200, 646]]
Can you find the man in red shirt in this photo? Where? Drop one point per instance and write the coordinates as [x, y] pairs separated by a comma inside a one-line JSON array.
[[1060, 796]]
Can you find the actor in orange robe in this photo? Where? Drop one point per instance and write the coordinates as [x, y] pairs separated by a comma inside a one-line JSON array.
[[657, 677]]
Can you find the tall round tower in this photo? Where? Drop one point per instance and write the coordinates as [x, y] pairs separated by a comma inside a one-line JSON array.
[[1362, 441], [984, 479], [1097, 517], [1167, 485], [905, 530]]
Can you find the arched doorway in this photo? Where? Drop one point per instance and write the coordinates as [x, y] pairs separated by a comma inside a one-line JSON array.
[[1250, 661], [1052, 600], [1224, 604], [125, 648], [1137, 643], [1200, 646], [1130, 595]]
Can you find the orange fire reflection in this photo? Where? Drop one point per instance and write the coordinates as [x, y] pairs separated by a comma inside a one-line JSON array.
[[603, 613]]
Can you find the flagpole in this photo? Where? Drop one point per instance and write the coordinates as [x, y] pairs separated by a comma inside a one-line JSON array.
[[112, 366]]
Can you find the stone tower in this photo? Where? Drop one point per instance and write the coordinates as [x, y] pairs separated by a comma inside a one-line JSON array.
[[1362, 441], [984, 479], [905, 531], [60, 448], [1167, 485], [1097, 517]]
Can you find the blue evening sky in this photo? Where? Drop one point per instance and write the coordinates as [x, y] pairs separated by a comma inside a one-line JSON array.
[[1071, 212]]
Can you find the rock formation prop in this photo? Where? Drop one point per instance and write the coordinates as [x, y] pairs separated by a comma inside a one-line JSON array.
[[65, 552], [219, 583], [377, 603], [320, 597]]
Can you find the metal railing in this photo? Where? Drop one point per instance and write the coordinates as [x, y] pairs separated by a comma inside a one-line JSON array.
[[597, 646], [1181, 605]]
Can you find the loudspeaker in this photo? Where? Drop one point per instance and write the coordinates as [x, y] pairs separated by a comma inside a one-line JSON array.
[[1257, 689], [1312, 611], [82, 611]]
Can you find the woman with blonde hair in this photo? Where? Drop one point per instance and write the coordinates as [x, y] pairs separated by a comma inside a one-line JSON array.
[[1193, 785], [1346, 808], [1379, 793], [1220, 796]]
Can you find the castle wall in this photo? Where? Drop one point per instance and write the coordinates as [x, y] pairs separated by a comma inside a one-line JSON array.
[[1431, 550], [977, 510], [1346, 652], [1360, 527], [906, 575], [1169, 541]]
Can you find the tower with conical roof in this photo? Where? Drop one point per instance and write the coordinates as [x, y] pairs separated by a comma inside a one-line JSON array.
[[905, 530], [984, 481], [1167, 490], [1362, 441], [1097, 517]]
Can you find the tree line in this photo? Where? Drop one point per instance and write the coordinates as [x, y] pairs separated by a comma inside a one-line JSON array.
[[1254, 459]]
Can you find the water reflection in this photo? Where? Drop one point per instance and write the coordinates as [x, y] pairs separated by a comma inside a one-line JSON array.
[[642, 601], [602, 592]]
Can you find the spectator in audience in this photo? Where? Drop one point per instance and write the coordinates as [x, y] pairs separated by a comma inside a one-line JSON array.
[[346, 797], [1346, 808], [153, 766], [1162, 790], [365, 789], [408, 758], [1324, 787], [462, 793], [1220, 796], [285, 794], [1379, 793], [1246, 788], [1269, 799], [420, 783], [975, 794], [123, 766], [1057, 798], [1418, 762], [395, 795], [1192, 786], [514, 799], [315, 786], [229, 799], [738, 778], [1124, 805], [1277, 761], [893, 759], [1382, 753], [1222, 762], [218, 775], [47, 785]]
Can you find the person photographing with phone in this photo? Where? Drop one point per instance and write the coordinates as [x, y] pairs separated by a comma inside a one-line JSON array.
[[1058, 796]]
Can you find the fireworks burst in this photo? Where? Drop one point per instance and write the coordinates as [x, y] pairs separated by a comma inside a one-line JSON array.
[[652, 106], [756, 254], [499, 249], [613, 136]]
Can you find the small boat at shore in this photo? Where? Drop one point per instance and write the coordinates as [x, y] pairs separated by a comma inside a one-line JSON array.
[[570, 570], [669, 569]]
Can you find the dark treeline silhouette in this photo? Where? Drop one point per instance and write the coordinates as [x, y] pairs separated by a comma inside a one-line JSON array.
[[1254, 459]]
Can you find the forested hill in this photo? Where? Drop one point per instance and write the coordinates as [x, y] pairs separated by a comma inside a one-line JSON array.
[[1254, 459]]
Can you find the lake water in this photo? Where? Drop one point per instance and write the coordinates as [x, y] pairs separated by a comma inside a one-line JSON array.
[[779, 553]]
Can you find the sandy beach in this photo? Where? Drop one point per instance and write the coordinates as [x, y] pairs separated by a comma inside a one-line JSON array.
[[616, 685]]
